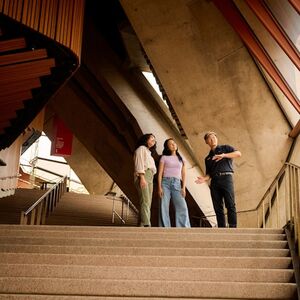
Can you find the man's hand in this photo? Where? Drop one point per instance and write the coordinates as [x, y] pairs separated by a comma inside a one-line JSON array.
[[183, 192], [218, 157], [143, 182], [160, 192], [200, 179]]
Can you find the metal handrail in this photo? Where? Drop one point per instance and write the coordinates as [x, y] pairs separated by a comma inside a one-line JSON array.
[[264, 196], [268, 210], [44, 205], [129, 205]]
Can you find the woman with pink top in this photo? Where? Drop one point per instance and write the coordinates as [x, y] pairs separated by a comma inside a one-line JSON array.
[[171, 185]]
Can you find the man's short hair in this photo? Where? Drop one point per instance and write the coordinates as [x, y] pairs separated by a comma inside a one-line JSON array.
[[207, 134]]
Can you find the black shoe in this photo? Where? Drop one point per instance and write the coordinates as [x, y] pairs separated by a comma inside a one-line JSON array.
[[2, 163]]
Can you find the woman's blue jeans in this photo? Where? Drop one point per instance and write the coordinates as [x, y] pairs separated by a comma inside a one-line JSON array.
[[171, 187]]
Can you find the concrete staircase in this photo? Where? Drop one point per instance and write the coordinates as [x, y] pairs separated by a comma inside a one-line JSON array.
[[71, 262], [12, 206], [72, 209], [88, 210]]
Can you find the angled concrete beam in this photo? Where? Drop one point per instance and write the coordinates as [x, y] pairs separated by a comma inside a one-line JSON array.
[[295, 131], [277, 32], [234, 18], [296, 5]]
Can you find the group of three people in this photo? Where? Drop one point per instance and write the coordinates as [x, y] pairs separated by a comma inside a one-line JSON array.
[[172, 180]]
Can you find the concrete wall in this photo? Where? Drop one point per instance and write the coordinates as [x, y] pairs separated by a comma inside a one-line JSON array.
[[91, 174], [213, 84]]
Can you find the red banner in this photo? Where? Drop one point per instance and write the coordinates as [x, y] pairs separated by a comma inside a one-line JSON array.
[[62, 139]]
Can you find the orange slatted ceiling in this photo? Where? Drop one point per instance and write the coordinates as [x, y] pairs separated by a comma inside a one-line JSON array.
[[24, 11], [68, 17], [37, 17], [14, 8], [77, 26], [29, 13], [51, 18], [19, 6], [65, 16], [10, 8], [59, 20], [42, 16], [70, 23], [52, 27], [32, 14], [46, 21], [5, 7]]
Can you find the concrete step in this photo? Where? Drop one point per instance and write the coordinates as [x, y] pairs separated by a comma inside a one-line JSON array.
[[147, 288], [146, 273], [146, 235], [159, 251], [151, 261], [136, 242], [99, 220], [141, 229], [63, 297]]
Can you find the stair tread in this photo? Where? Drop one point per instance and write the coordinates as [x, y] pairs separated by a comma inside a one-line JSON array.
[[144, 288], [135, 241], [143, 273], [161, 251], [157, 261], [148, 235], [139, 229], [76, 297]]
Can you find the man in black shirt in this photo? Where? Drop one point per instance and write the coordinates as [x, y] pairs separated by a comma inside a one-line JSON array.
[[219, 168]]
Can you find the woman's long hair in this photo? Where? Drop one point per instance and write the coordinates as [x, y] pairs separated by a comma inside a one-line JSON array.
[[142, 141], [168, 152]]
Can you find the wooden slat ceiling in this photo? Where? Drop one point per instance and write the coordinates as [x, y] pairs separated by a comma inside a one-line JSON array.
[[20, 72], [61, 21]]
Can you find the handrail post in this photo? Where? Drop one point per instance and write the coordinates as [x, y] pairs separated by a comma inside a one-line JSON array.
[[296, 203], [32, 218], [44, 213], [39, 214], [277, 205], [298, 211], [23, 218], [291, 196], [270, 210], [128, 209], [122, 211], [285, 196], [263, 214], [113, 210]]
